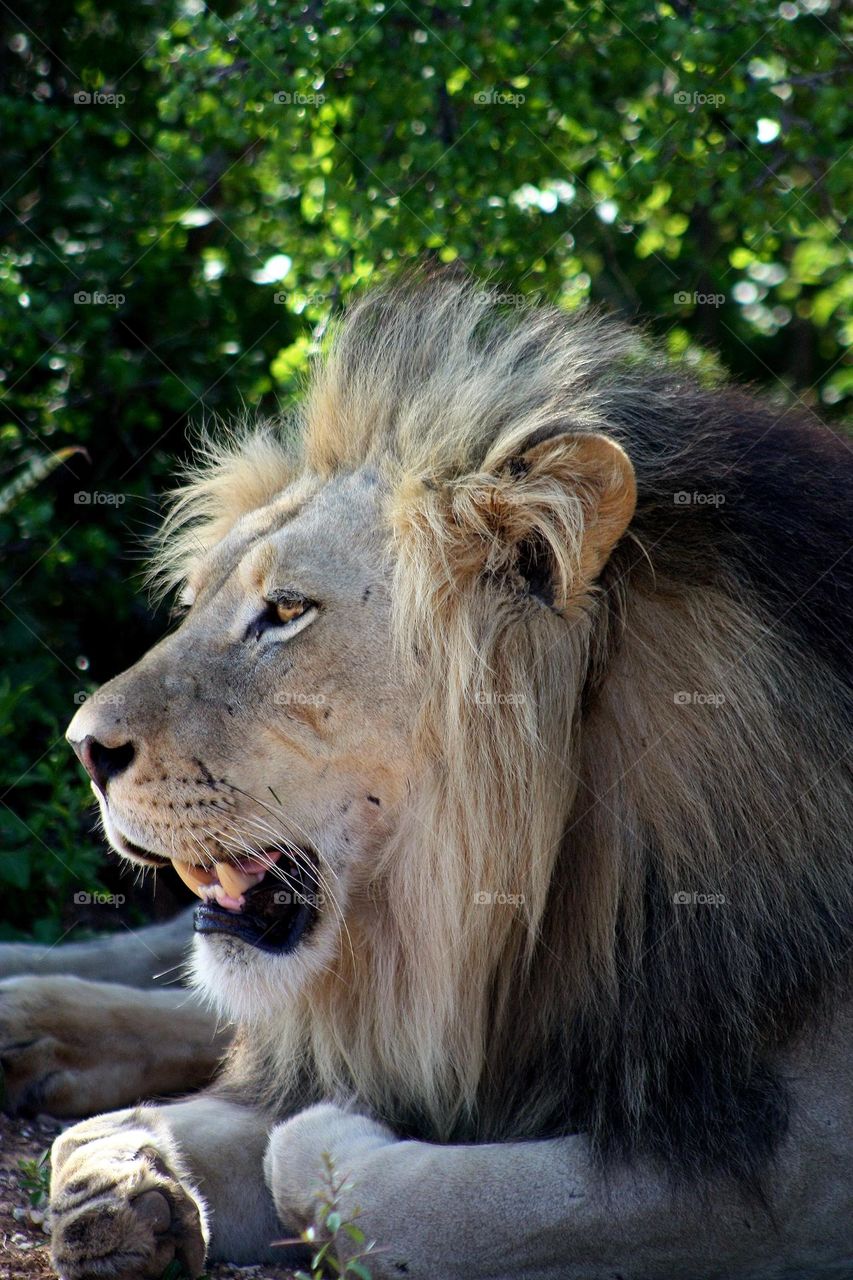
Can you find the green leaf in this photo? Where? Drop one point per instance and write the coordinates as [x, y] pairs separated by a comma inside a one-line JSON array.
[[356, 1268]]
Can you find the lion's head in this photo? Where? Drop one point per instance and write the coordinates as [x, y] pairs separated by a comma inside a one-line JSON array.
[[512, 804], [264, 746]]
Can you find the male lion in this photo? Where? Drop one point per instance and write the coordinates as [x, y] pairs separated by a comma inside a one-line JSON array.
[[503, 740]]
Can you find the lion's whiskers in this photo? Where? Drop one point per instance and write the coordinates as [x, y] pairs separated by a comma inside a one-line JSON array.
[[313, 873], [288, 846]]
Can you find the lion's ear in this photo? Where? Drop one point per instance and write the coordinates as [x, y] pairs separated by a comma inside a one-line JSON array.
[[597, 472], [553, 512]]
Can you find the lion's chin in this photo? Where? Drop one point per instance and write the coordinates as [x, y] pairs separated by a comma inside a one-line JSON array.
[[272, 919]]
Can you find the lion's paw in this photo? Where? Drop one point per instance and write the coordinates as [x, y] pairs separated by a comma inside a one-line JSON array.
[[294, 1161], [37, 1061], [51, 1030], [119, 1210]]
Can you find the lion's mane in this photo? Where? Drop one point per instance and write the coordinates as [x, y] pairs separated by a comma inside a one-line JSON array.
[[653, 771]]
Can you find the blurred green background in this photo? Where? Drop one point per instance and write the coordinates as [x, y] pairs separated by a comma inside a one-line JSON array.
[[188, 192]]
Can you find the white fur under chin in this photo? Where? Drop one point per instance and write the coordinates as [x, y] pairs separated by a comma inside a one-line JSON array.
[[245, 985]]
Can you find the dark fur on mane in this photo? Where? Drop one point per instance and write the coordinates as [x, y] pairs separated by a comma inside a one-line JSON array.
[[674, 1060], [647, 1022]]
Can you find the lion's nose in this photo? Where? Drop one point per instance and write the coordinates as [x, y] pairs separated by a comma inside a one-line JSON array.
[[101, 762]]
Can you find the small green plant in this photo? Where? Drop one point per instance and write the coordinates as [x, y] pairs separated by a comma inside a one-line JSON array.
[[340, 1246], [35, 1179]]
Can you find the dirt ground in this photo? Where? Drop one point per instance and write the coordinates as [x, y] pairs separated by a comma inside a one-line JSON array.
[[23, 1242]]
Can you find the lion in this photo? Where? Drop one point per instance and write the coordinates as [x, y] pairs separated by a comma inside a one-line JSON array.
[[502, 740]]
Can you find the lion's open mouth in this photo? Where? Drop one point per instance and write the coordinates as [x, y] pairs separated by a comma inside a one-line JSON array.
[[269, 901]]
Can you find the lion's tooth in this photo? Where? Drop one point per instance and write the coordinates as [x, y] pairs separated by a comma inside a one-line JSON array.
[[235, 881], [225, 899], [194, 878]]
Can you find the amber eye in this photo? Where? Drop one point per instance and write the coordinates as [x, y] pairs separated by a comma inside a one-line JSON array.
[[288, 608], [285, 609]]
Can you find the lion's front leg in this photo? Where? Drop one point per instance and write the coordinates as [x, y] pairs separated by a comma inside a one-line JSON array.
[[543, 1208], [75, 1048], [134, 1190]]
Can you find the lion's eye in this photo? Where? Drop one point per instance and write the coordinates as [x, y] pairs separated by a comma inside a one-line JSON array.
[[287, 612], [183, 604]]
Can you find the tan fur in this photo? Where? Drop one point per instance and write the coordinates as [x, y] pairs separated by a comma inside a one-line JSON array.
[[233, 473]]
